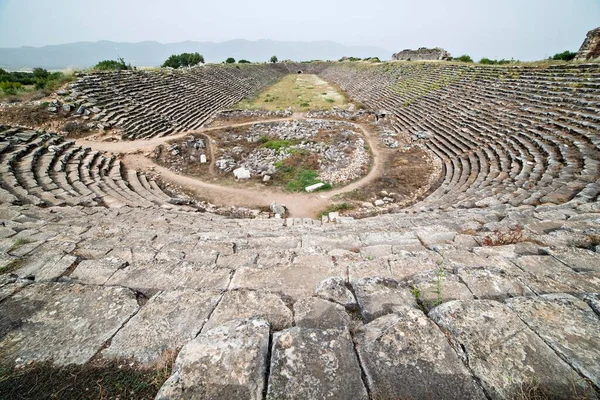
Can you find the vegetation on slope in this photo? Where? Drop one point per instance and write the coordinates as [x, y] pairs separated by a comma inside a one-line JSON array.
[[18, 86], [183, 60], [113, 65]]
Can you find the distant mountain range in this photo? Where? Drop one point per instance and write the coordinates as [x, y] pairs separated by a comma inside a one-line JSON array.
[[88, 54]]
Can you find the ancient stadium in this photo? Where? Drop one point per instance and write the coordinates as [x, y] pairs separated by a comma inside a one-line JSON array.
[[320, 230]]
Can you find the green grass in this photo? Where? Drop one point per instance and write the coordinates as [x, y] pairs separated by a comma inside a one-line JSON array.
[[278, 145], [11, 265], [298, 92], [337, 207], [19, 243], [297, 179]]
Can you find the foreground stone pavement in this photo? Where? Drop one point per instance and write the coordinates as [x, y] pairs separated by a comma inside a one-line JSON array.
[[408, 305]]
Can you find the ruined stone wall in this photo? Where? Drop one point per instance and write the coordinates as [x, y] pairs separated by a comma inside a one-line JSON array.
[[590, 48], [422, 54]]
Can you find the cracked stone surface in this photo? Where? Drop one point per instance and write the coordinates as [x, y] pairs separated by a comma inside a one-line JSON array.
[[334, 289], [228, 362], [297, 279], [317, 313], [379, 296], [34, 327], [502, 352], [97, 272], [405, 355], [251, 304], [166, 322], [435, 287], [170, 276], [568, 325], [314, 364]]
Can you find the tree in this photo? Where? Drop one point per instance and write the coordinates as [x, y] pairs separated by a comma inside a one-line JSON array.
[[183, 60], [243, 62], [274, 59], [463, 58], [40, 73], [108, 65], [564, 56], [230, 60]]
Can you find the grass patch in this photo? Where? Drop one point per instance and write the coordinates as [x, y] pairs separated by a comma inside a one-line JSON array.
[[337, 208], [19, 243], [11, 266], [298, 92], [298, 178], [278, 145], [95, 380]]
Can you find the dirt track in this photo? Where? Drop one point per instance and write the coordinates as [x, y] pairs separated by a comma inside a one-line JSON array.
[[298, 204]]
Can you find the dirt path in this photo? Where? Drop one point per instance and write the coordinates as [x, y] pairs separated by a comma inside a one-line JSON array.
[[298, 204]]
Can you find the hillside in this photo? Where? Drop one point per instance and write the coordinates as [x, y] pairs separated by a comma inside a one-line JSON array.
[[87, 54]]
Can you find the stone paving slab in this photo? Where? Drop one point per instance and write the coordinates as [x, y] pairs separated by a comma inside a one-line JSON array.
[[170, 276], [97, 272], [62, 322], [251, 304], [405, 264], [228, 362], [379, 296], [580, 260], [314, 364], [545, 274], [297, 279], [334, 289], [502, 352], [492, 283], [314, 312], [165, 323], [406, 356], [435, 287], [568, 325]]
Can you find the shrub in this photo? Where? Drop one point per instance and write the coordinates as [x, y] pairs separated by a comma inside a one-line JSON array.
[[564, 56], [11, 88], [230, 60], [274, 59], [350, 59], [243, 62], [40, 73], [463, 58], [495, 62], [112, 65], [499, 238], [183, 60]]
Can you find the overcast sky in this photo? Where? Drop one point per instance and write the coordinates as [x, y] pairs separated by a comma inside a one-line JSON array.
[[523, 29]]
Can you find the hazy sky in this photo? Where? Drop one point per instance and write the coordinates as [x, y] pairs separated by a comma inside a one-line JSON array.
[[523, 29]]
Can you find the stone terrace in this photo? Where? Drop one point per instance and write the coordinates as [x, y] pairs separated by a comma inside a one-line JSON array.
[[513, 135], [157, 103], [488, 289]]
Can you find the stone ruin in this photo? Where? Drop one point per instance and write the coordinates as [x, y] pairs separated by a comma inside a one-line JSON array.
[[422, 54], [488, 288], [590, 49]]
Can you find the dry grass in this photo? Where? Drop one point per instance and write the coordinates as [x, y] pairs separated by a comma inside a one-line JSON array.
[[301, 92], [100, 379], [499, 238]]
